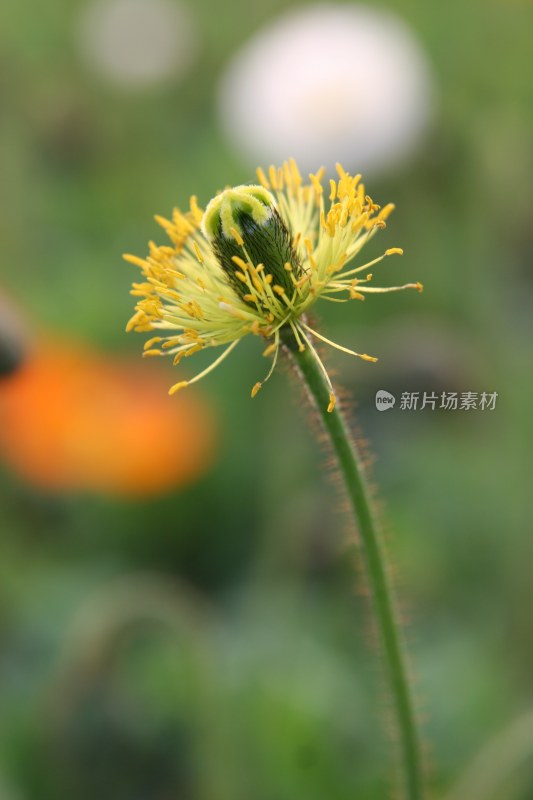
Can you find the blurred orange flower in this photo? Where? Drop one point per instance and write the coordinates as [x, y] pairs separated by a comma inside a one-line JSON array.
[[73, 419]]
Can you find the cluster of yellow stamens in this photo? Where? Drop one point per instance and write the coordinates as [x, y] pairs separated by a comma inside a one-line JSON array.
[[254, 262]]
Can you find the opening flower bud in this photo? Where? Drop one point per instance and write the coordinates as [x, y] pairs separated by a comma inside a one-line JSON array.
[[255, 262], [243, 225]]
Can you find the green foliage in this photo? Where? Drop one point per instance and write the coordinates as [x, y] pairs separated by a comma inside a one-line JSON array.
[[262, 693]]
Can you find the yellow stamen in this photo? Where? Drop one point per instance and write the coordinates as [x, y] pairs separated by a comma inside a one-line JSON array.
[[275, 347], [196, 212], [386, 211], [237, 236], [317, 186], [295, 173], [319, 362], [262, 178], [206, 371], [317, 335], [202, 306], [152, 341], [296, 330], [177, 387], [138, 262], [384, 289], [240, 262], [198, 253]]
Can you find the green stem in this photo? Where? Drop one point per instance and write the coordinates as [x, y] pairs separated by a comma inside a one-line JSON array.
[[380, 584]]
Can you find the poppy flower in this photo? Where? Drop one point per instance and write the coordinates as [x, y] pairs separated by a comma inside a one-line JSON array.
[[255, 263], [73, 419]]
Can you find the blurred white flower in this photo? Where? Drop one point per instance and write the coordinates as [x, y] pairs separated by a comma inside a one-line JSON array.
[[137, 43], [329, 83]]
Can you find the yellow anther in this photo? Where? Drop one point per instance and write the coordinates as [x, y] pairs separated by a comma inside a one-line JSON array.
[[316, 183], [386, 211], [139, 262], [150, 343], [198, 253], [332, 401], [273, 176], [166, 224], [172, 341], [256, 387], [192, 350], [177, 387], [240, 262], [295, 172], [262, 178], [279, 290], [196, 212], [288, 177], [237, 236], [394, 251], [148, 353]]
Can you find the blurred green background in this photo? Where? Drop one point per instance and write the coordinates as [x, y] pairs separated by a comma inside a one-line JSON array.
[[211, 642]]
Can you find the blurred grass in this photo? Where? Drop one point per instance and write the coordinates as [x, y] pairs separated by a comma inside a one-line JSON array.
[[84, 167]]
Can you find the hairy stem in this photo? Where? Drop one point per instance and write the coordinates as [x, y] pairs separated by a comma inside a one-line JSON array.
[[382, 595]]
